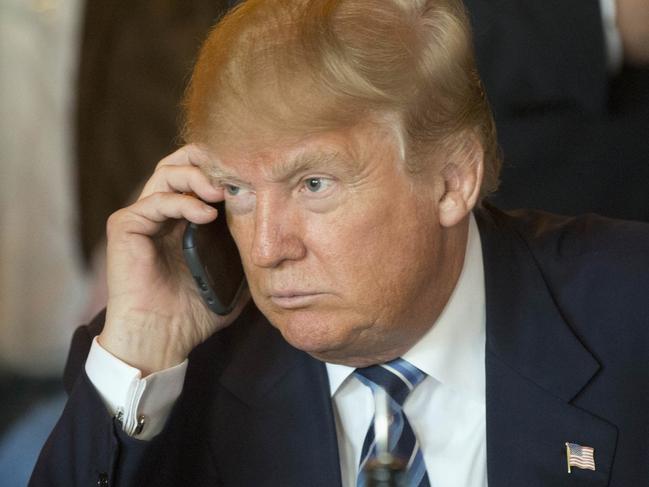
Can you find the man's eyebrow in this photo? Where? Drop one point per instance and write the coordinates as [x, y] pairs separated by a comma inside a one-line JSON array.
[[218, 173], [311, 161], [285, 170]]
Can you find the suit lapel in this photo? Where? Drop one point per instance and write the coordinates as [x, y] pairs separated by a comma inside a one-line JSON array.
[[279, 423], [535, 367]]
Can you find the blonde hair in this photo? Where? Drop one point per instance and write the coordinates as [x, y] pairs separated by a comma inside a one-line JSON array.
[[302, 66]]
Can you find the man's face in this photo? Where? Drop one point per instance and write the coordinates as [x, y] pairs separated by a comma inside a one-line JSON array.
[[342, 248]]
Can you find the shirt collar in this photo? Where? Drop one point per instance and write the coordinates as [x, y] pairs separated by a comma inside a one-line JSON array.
[[452, 351]]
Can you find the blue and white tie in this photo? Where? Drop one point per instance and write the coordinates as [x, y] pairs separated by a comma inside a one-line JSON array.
[[397, 378]]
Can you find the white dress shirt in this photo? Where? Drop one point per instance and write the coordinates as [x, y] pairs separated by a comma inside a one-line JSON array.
[[447, 410]]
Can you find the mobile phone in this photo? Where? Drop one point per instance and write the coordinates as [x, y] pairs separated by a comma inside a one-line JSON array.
[[215, 264]]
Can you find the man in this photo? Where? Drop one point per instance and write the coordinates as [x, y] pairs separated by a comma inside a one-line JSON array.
[[568, 83], [352, 144]]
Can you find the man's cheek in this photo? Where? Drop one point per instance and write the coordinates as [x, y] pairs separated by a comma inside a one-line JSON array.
[[261, 301], [243, 238]]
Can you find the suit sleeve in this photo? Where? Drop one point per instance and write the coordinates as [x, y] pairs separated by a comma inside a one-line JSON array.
[[87, 446], [541, 55]]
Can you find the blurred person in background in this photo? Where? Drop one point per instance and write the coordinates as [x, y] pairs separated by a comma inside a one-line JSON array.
[[135, 61], [42, 280], [569, 86]]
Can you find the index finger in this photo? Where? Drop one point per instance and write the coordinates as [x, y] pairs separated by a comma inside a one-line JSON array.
[[187, 155]]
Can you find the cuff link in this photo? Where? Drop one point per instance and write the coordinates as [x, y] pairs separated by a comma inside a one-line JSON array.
[[119, 417], [131, 430], [141, 420], [102, 480]]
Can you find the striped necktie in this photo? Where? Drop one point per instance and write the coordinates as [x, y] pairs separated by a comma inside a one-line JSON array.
[[398, 378]]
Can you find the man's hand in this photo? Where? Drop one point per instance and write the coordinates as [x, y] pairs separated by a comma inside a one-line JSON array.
[[155, 315]]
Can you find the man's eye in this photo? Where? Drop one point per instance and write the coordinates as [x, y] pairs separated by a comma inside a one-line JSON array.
[[316, 185], [232, 190]]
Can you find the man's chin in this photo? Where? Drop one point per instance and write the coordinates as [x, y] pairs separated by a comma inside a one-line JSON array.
[[316, 333]]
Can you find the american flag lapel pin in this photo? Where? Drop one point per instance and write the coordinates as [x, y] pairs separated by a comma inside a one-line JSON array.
[[580, 456]]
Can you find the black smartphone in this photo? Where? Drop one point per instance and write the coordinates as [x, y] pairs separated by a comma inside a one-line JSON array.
[[213, 259]]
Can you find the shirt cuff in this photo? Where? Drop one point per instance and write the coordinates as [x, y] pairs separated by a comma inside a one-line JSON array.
[[612, 37], [142, 405]]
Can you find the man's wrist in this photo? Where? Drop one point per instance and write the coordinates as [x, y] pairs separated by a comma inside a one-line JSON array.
[[146, 348]]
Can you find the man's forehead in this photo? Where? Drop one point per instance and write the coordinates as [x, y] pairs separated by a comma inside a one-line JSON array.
[[279, 165]]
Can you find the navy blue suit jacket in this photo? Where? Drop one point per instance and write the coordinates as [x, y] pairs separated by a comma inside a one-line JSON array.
[[567, 360]]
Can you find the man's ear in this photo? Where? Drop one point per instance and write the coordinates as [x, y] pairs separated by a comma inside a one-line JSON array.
[[462, 177]]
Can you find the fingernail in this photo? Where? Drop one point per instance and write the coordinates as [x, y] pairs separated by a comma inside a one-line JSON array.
[[209, 209]]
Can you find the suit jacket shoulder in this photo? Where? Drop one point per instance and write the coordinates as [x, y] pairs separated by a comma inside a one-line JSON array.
[[597, 270], [567, 346]]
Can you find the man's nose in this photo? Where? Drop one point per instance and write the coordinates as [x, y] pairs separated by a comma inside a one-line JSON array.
[[277, 234]]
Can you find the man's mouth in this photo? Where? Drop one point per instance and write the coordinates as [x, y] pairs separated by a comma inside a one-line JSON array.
[[295, 299]]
